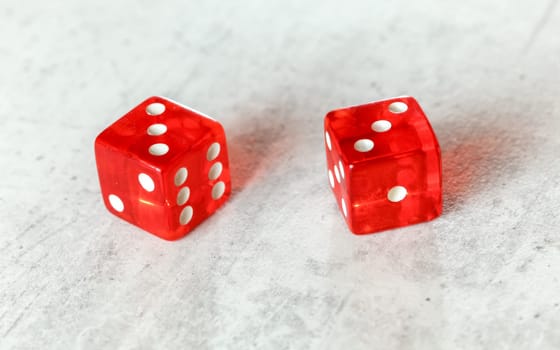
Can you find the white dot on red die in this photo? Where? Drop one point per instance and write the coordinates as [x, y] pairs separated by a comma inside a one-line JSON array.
[[218, 190], [363, 145], [157, 129], [337, 174], [344, 210], [158, 149], [331, 179], [155, 108], [116, 203], [398, 107], [397, 194], [186, 215], [181, 176], [328, 140], [146, 182], [215, 171], [341, 168], [381, 126], [183, 195], [213, 151]]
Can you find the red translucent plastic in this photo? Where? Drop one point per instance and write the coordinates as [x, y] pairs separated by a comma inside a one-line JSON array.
[[392, 177], [142, 182]]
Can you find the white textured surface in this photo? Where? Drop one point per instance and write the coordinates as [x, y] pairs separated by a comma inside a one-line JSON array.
[[276, 267]]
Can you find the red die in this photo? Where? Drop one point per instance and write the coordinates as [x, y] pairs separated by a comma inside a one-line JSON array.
[[163, 167], [384, 164]]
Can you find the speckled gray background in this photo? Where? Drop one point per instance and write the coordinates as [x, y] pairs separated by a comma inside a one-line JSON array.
[[276, 268]]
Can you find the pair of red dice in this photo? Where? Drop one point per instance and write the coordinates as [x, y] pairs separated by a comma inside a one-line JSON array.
[[164, 167]]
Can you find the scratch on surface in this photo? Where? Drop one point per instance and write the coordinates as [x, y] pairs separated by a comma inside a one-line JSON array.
[[33, 225], [35, 244], [275, 312], [14, 324], [331, 321], [543, 20], [20, 316], [25, 231], [46, 234], [342, 304], [260, 332]]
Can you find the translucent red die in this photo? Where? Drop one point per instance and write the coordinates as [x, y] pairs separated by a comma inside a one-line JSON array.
[[384, 165], [163, 167]]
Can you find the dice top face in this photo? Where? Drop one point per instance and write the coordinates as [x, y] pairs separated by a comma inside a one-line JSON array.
[[384, 164], [158, 131], [163, 167], [379, 129]]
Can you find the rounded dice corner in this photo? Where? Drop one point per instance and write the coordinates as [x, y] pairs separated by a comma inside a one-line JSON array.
[[157, 98], [221, 128], [408, 99], [160, 98], [171, 236], [364, 232], [329, 115], [100, 139], [402, 98], [357, 232], [165, 234], [333, 115], [97, 140]]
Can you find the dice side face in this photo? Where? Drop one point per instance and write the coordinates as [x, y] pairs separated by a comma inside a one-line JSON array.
[[178, 150], [216, 169], [131, 190], [390, 193], [198, 183], [392, 162], [338, 176]]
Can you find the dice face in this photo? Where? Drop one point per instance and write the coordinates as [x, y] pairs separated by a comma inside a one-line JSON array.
[[163, 167], [384, 165]]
